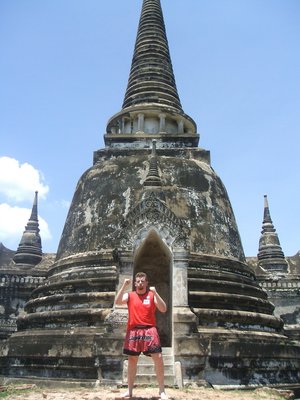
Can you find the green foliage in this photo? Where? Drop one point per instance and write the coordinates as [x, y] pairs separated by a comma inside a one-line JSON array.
[[9, 390]]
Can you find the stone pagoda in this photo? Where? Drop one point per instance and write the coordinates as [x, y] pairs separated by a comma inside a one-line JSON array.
[[270, 255], [152, 202], [29, 252]]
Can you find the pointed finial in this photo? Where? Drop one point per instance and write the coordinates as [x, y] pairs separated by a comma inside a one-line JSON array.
[[267, 216], [153, 178], [34, 211], [270, 255], [29, 252], [154, 148]]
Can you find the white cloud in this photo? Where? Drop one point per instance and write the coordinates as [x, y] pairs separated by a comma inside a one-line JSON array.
[[18, 182], [63, 203], [12, 225]]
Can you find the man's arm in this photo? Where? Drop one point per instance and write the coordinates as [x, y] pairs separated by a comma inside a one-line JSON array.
[[121, 297], [160, 304]]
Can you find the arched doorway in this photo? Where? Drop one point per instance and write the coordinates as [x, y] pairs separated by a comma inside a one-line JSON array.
[[154, 258]]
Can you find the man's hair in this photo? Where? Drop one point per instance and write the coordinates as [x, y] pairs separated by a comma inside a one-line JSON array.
[[141, 275]]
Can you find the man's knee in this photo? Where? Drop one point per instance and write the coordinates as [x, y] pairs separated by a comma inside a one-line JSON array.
[[133, 359], [156, 356]]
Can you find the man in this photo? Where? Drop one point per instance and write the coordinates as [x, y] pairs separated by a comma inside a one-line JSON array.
[[141, 333]]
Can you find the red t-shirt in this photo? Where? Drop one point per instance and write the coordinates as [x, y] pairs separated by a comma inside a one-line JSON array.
[[141, 309]]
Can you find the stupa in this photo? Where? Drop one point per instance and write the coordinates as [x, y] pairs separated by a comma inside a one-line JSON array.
[[152, 202]]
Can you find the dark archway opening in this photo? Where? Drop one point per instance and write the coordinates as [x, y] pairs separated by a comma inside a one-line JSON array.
[[154, 258]]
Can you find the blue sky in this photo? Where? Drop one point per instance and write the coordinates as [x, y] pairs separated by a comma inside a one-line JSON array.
[[64, 67]]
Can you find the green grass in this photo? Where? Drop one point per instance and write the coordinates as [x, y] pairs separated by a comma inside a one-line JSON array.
[[11, 389]]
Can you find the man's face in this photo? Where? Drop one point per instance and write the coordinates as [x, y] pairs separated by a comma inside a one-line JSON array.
[[141, 284]]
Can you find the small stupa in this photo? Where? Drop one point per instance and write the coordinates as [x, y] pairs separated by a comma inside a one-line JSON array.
[[270, 255]]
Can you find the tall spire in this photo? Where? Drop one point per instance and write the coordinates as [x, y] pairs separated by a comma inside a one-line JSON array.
[[29, 252], [270, 255], [151, 77], [151, 107]]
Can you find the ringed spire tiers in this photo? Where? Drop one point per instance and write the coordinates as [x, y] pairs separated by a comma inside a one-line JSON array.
[[151, 77], [270, 255], [151, 107]]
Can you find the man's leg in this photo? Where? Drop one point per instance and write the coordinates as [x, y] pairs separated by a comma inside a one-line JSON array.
[[131, 373], [159, 370]]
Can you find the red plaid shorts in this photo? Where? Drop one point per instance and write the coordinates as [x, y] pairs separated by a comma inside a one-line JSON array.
[[142, 340]]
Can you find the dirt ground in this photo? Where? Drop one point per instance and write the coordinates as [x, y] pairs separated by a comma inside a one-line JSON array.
[[34, 393]]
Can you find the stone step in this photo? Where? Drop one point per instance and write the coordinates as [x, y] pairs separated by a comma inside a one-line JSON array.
[[144, 360], [167, 351], [146, 371], [149, 380], [149, 369]]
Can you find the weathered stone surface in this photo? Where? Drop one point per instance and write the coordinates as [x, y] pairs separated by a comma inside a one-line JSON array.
[[108, 191]]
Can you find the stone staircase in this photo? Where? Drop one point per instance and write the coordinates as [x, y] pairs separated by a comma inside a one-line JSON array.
[[146, 373]]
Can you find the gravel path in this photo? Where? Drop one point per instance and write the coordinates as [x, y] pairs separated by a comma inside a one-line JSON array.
[[29, 392]]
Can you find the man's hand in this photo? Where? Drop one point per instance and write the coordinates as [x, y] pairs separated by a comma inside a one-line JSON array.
[[126, 282], [121, 297], [160, 304]]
